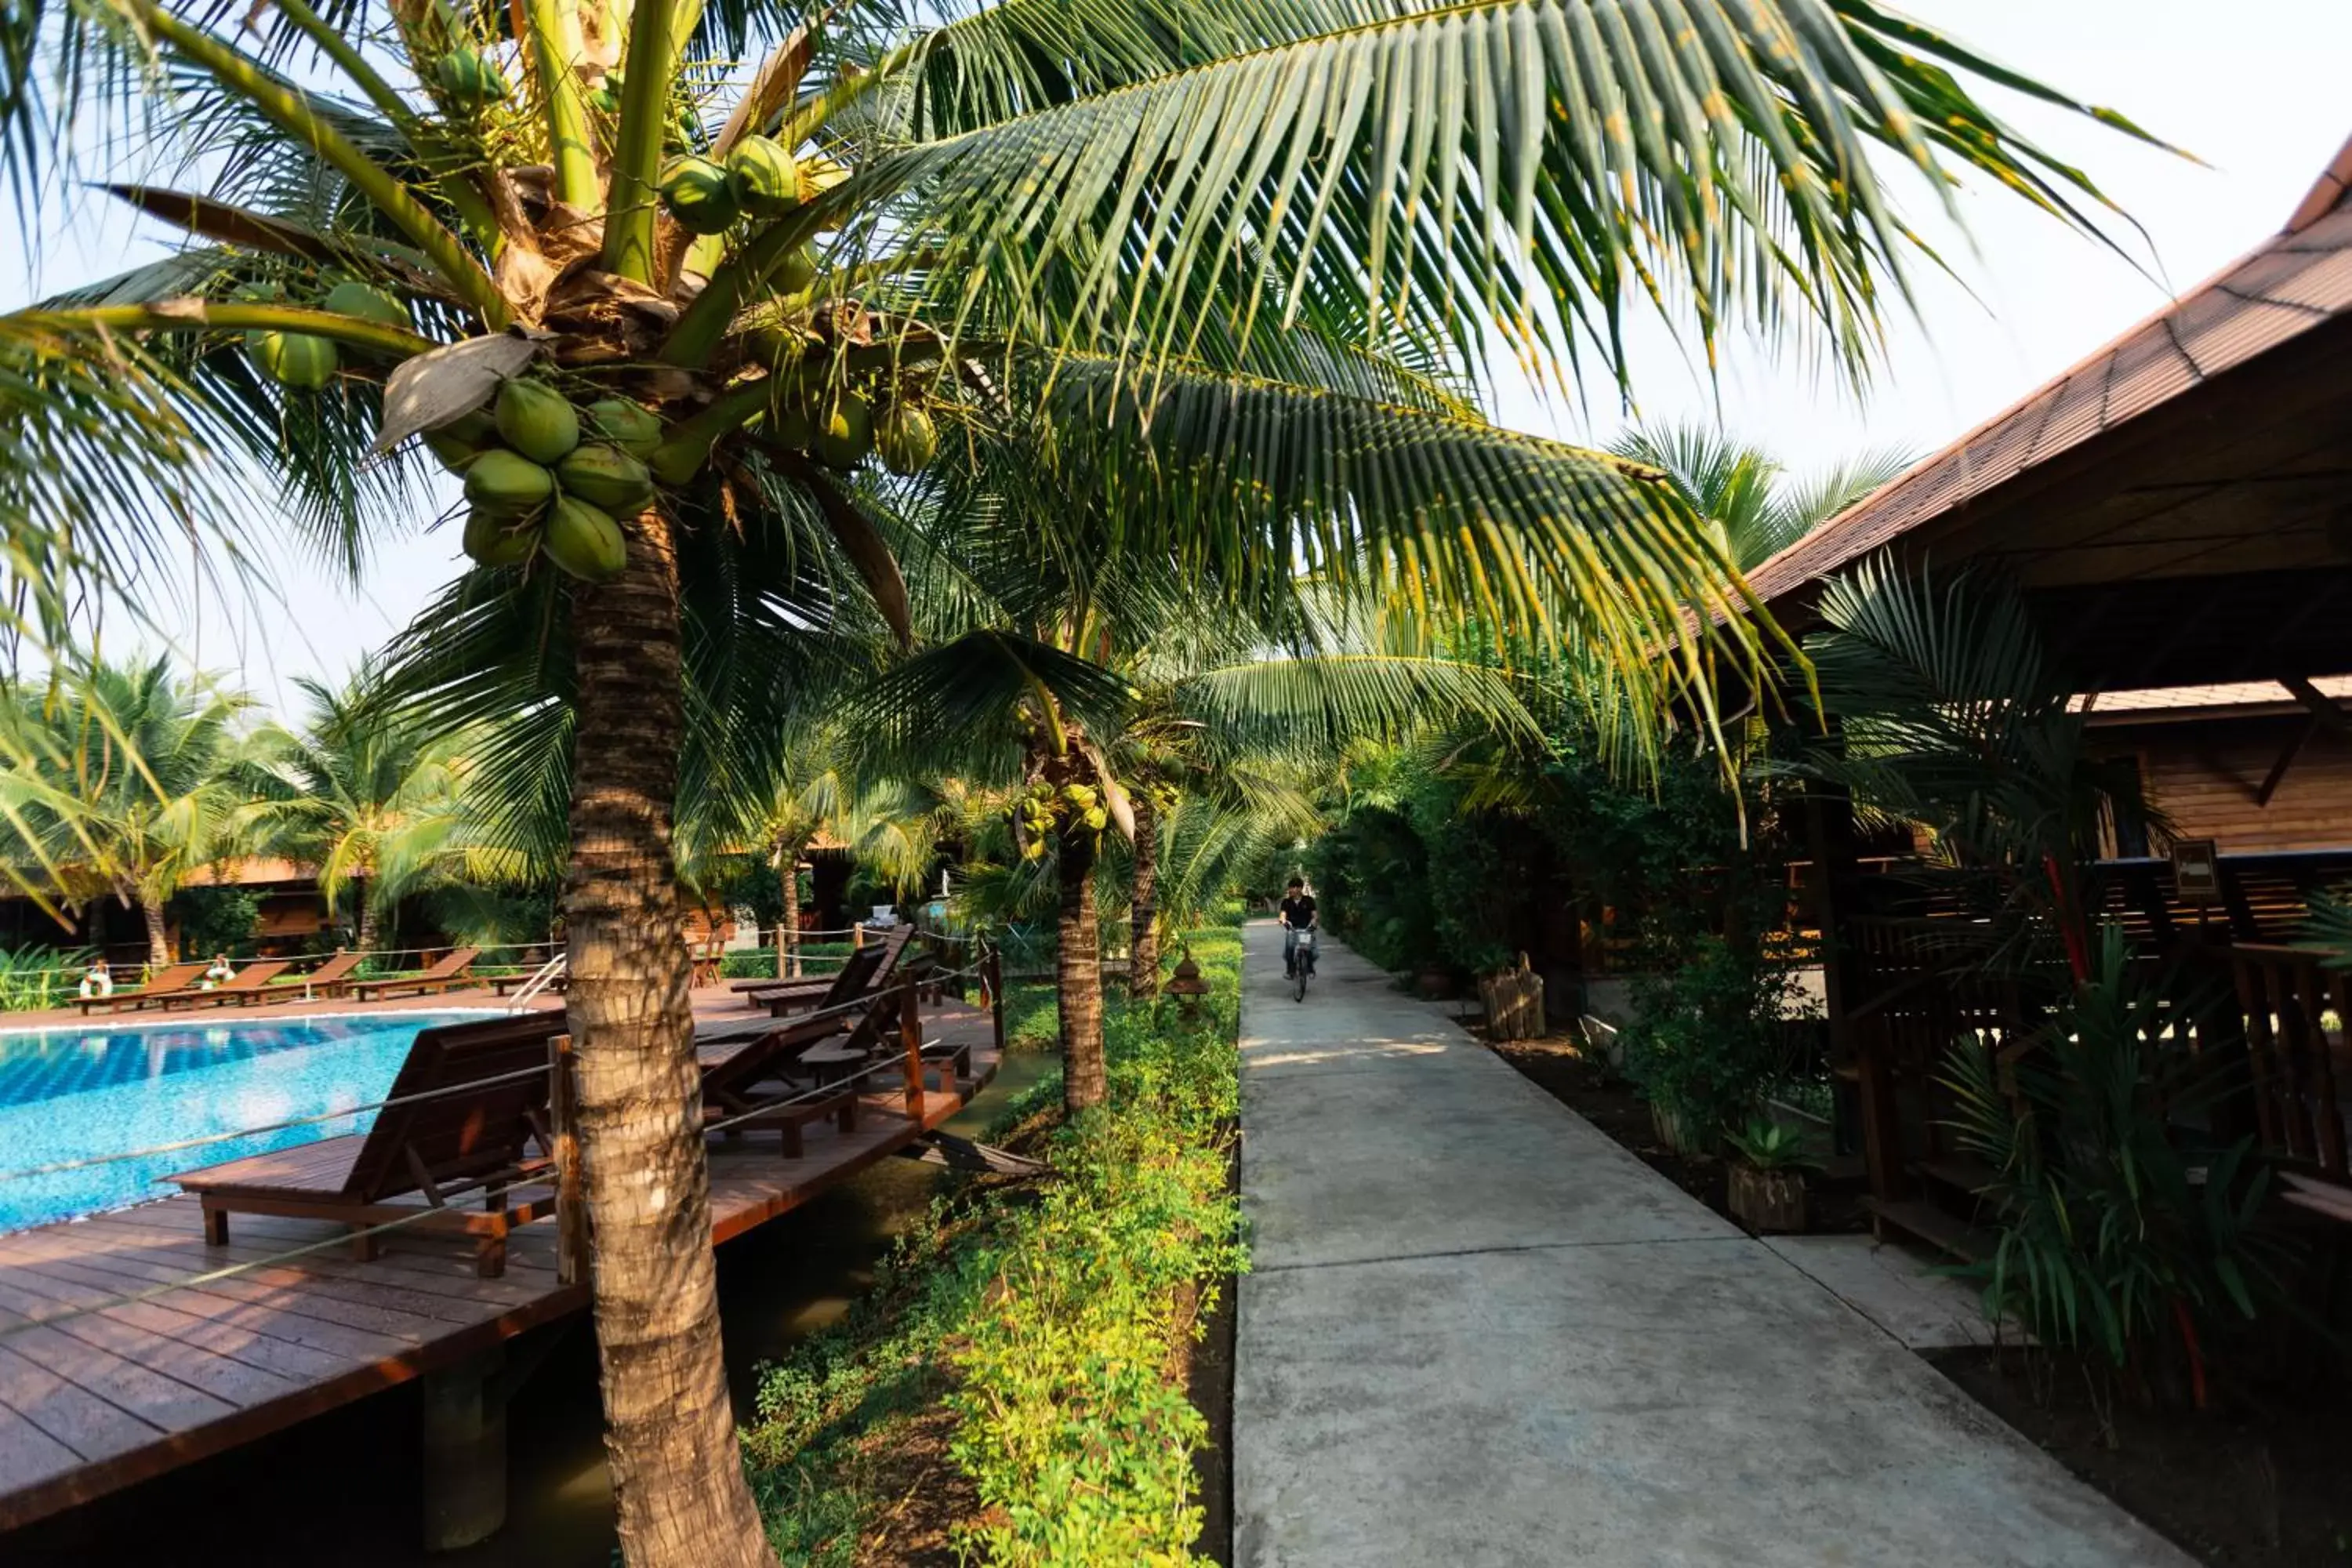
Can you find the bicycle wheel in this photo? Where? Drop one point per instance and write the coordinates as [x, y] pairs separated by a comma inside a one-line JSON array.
[[1299, 983]]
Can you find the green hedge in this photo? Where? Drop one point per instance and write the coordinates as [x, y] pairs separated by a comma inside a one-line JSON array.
[[1045, 1321], [759, 963]]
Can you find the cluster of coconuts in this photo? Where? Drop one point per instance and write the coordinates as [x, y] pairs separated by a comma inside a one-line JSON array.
[[840, 426], [544, 476], [759, 179], [1038, 810], [304, 363]]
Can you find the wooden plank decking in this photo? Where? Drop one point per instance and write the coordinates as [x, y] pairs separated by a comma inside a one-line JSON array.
[[102, 1400]]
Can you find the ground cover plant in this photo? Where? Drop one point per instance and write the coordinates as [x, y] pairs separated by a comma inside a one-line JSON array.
[[1032, 1338]]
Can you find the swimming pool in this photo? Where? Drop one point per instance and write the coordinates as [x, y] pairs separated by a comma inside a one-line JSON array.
[[71, 1094]]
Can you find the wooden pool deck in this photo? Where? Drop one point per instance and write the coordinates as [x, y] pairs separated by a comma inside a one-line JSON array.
[[100, 1401]]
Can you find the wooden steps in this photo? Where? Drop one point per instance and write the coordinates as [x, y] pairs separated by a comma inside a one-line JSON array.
[[1939, 1228]]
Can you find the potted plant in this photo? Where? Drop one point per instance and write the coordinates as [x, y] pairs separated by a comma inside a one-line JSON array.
[[1767, 1188]]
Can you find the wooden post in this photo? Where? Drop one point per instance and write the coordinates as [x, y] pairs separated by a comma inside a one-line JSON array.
[[996, 996], [1829, 820], [570, 1204], [857, 935], [910, 1036], [464, 1427]]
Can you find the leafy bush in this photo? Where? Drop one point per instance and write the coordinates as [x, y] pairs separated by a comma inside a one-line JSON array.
[[2118, 1236], [1707, 1040], [1047, 1323], [216, 919], [36, 977], [817, 958]]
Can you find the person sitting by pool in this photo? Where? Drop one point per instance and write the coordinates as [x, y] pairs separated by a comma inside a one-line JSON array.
[[222, 969], [96, 981]]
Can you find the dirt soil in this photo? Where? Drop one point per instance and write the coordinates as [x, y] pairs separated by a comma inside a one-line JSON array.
[[933, 1496], [1557, 1065], [2265, 1485]]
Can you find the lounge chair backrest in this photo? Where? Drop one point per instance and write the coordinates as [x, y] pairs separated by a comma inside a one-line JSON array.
[[894, 952], [855, 977], [455, 959], [254, 976], [764, 1055], [172, 977], [456, 1136], [335, 968]]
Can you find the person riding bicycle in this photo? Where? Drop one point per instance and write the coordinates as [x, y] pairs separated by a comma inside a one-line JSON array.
[[1297, 915]]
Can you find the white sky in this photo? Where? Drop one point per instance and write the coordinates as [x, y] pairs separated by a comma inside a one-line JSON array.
[[2254, 90]]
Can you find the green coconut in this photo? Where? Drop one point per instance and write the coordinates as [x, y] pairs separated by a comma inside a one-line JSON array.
[[537, 420], [353, 298], [766, 181], [468, 77], [293, 359], [844, 436], [631, 427], [585, 541], [495, 540], [905, 437], [700, 195], [507, 483], [790, 426], [796, 271], [456, 455], [606, 476]]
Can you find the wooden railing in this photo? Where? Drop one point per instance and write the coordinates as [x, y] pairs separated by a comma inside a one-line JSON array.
[[2295, 1012]]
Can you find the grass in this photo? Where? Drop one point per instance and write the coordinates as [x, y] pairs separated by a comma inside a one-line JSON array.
[[1013, 1390]]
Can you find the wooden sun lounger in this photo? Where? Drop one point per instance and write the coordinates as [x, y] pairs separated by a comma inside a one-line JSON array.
[[852, 982], [243, 986], [165, 982], [479, 1134], [743, 1083], [332, 978], [454, 970]]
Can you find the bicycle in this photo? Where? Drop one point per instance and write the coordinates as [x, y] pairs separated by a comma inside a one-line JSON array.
[[1302, 965]]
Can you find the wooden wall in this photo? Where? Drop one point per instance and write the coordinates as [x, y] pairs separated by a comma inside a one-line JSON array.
[[2204, 776]]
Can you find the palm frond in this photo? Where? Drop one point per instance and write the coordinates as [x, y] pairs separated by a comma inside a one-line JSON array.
[[1520, 167]]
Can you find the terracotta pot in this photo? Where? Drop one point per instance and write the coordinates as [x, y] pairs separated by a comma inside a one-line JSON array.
[[1767, 1202], [1433, 984]]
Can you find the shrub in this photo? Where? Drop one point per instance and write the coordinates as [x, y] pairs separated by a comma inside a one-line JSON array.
[[35, 977], [1707, 1039], [216, 919], [2121, 1234], [1047, 1322]]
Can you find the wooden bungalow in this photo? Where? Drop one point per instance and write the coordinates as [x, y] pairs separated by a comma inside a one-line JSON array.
[[2178, 511]]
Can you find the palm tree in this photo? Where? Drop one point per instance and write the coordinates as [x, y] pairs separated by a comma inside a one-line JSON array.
[[361, 794], [1090, 686], [128, 785], [1746, 493], [1183, 220]]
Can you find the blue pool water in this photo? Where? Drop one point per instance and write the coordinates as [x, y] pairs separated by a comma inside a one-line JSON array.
[[71, 1094]]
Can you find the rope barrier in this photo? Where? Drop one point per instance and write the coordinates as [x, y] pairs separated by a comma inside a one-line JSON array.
[[881, 1064], [468, 1086]]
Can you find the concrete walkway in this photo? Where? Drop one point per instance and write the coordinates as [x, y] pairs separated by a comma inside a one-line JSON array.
[[1478, 1331]]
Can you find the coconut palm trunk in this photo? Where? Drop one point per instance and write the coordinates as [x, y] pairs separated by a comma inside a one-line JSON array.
[[159, 935], [371, 922], [677, 1476], [1143, 917], [1078, 975], [788, 937]]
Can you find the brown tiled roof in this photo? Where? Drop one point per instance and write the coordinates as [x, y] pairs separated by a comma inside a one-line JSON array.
[[2293, 281]]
